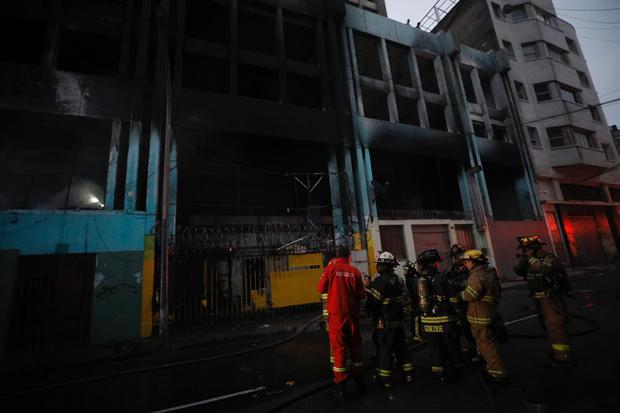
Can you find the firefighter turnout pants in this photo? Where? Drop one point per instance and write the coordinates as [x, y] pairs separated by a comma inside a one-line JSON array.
[[553, 314], [446, 355], [345, 340], [488, 347], [390, 342]]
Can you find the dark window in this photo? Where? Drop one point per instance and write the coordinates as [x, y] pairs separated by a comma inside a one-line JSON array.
[[558, 137], [375, 104], [436, 116], [609, 152], [469, 86], [52, 162], [499, 133], [28, 49], [258, 82], [487, 90], [208, 20], [206, 73], [542, 91], [615, 194], [257, 29], [367, 52], [88, 53], [595, 113], [480, 129], [521, 92], [533, 136], [407, 110], [510, 51], [300, 41], [572, 45], [427, 74], [518, 14], [304, 91], [569, 94], [581, 193], [530, 51], [399, 64], [557, 54], [393, 240]]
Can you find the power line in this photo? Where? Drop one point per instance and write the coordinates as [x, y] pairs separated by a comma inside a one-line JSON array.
[[612, 9], [597, 28], [601, 40], [572, 111], [587, 20]]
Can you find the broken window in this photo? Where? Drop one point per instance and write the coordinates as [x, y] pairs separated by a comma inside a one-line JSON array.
[[304, 91], [408, 110], [436, 116], [206, 73], [257, 28], [300, 38], [52, 162], [375, 104], [499, 133], [428, 76], [26, 21], [367, 52], [469, 86], [399, 64], [480, 129], [258, 82], [502, 191], [208, 21]]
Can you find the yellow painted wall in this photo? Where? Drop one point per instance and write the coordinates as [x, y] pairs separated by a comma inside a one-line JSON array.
[[148, 278], [294, 279]]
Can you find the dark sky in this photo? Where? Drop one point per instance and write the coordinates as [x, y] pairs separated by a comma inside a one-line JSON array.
[[598, 32]]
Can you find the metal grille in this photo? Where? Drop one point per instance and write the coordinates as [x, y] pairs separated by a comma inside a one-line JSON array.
[[436, 14]]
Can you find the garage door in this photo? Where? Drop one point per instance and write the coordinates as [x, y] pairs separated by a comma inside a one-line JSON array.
[[432, 236], [589, 247]]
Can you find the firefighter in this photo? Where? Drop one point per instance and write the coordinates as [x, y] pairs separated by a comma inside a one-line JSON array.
[[387, 302], [411, 279], [435, 305], [547, 280], [482, 295], [457, 277], [344, 288]]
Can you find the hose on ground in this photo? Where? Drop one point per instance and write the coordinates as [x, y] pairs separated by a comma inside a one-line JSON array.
[[103, 377]]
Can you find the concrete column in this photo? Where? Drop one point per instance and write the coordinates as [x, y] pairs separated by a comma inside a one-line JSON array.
[[281, 55], [110, 190], [357, 105], [234, 48], [475, 79], [417, 82], [387, 77], [445, 92], [336, 201], [54, 24]]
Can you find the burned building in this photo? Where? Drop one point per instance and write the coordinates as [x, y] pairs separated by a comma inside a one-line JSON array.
[[290, 127]]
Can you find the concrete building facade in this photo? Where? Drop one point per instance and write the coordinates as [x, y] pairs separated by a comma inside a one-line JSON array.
[[295, 126], [569, 144]]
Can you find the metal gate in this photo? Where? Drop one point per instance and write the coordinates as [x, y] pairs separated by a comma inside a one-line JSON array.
[[224, 273]]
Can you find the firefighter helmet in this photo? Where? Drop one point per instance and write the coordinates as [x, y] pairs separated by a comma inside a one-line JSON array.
[[529, 241], [474, 255], [387, 257], [456, 250], [428, 257]]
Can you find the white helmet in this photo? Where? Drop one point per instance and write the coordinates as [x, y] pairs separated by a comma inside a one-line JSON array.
[[387, 257]]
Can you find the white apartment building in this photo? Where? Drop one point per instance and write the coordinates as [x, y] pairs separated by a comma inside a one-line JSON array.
[[571, 149]]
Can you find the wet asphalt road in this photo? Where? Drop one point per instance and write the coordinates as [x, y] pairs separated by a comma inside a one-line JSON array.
[[294, 369]]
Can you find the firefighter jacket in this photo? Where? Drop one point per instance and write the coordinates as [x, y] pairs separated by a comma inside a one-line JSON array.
[[482, 294], [544, 273], [440, 310], [457, 278], [343, 285], [387, 300]]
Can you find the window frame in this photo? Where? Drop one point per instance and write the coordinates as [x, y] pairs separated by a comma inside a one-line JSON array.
[[547, 92], [534, 138], [527, 56], [510, 51], [521, 91]]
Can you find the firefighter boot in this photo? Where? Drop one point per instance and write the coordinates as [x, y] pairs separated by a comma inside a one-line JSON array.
[[339, 390]]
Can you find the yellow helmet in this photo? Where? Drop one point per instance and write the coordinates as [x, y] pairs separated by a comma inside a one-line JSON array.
[[474, 255]]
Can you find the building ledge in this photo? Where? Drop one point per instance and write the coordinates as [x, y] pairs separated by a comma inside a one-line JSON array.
[[578, 161]]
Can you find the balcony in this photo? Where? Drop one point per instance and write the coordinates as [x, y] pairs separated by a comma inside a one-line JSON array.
[[578, 161]]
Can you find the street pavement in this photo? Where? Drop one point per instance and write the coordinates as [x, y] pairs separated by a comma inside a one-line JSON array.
[[295, 376]]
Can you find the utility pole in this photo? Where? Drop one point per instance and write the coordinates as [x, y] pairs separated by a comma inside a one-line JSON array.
[[162, 13]]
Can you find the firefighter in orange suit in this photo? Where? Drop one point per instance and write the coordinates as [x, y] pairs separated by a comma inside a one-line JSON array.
[[482, 294], [547, 280], [344, 288]]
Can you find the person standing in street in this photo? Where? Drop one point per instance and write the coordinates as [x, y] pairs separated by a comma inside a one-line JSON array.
[[482, 295], [436, 306], [548, 282], [387, 303], [345, 290]]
